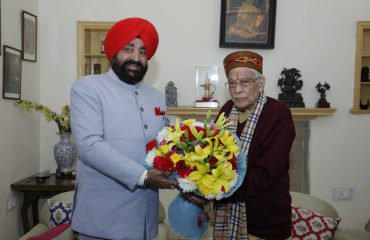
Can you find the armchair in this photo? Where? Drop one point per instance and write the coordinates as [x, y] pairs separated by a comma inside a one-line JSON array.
[[44, 217]]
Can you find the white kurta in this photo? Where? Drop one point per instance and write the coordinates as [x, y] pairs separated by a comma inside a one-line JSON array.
[[111, 123]]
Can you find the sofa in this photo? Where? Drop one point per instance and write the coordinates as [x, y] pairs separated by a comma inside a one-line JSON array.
[[44, 217], [319, 206]]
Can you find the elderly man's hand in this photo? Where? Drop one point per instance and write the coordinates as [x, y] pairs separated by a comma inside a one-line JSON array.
[[198, 200], [156, 179]]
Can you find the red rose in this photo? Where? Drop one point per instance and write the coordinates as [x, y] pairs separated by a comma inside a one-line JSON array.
[[163, 164], [150, 145], [184, 172]]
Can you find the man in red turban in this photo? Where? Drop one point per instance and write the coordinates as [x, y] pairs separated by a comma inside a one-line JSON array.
[[121, 43], [112, 116], [128, 29]]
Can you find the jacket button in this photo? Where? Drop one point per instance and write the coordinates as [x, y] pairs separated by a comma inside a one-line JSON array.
[[136, 92], [145, 126], [142, 109]]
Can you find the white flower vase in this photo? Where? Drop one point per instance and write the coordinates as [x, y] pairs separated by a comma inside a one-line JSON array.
[[65, 152]]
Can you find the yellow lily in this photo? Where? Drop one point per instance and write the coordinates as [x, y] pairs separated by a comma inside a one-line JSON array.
[[229, 141], [223, 174]]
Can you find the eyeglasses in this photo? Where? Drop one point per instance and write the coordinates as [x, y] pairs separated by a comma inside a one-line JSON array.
[[244, 83]]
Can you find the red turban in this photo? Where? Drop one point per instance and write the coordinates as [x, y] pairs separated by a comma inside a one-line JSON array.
[[243, 59], [126, 30]]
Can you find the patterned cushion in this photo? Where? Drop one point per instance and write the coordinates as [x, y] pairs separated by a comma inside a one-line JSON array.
[[60, 212], [309, 225]]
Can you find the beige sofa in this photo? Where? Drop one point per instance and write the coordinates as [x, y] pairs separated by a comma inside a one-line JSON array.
[[320, 206], [44, 217]]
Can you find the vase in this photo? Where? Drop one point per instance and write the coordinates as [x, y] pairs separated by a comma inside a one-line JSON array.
[[65, 152]]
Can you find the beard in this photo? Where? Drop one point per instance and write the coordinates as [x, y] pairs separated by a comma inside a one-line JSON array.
[[127, 75]]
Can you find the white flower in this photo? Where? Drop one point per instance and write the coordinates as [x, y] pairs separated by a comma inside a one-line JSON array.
[[186, 185], [161, 135], [198, 124], [150, 157]]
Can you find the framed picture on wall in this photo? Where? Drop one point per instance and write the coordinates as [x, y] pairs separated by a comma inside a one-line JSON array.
[[12, 73], [29, 37], [0, 28], [248, 24]]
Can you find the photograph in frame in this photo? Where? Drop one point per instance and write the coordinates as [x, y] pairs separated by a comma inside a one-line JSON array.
[[29, 37], [0, 29], [12, 73], [247, 23]]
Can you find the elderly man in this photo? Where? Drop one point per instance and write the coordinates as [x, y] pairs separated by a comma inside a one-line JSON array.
[[261, 207], [113, 116]]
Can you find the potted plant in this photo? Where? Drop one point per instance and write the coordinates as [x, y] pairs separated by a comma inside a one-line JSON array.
[[65, 151]]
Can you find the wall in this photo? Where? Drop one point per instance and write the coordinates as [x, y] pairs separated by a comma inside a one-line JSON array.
[[317, 37], [19, 130]]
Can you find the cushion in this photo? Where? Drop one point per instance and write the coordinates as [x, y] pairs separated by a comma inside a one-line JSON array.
[[52, 233], [310, 225], [60, 212]]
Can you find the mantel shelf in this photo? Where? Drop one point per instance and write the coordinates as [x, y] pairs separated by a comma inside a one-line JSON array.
[[298, 113]]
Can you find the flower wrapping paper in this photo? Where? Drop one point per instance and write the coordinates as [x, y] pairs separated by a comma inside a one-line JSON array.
[[206, 160]]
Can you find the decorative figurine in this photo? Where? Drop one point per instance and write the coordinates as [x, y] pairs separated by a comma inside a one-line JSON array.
[[365, 74], [171, 94], [209, 89], [322, 103], [289, 84]]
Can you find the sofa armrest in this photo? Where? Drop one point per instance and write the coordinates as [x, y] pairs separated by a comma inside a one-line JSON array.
[[36, 230]]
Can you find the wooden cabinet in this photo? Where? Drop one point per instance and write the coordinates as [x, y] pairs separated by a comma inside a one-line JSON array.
[[91, 57], [361, 97]]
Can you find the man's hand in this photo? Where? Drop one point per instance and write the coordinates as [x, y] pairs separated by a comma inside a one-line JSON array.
[[198, 200], [156, 179]]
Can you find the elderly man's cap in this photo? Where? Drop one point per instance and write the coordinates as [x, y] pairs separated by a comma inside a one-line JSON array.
[[243, 59], [126, 30]]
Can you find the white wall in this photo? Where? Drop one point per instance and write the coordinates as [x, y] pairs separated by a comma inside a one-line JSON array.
[[19, 130], [317, 37]]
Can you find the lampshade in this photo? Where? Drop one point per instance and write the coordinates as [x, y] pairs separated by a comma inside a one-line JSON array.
[[367, 226]]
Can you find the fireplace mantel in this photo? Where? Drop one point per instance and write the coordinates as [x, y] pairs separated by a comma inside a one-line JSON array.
[[298, 113]]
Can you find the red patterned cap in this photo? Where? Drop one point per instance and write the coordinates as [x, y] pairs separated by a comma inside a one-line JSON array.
[[243, 59]]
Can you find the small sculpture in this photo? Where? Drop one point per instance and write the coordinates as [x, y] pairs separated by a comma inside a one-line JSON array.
[[171, 94], [322, 103], [289, 84], [365, 74], [209, 89]]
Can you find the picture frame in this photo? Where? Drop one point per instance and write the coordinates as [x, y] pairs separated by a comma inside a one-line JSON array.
[[29, 37], [12, 73], [0, 29], [247, 24]]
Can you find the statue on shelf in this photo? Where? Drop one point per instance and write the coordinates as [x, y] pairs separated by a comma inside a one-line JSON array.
[[289, 84], [321, 88], [365, 74], [171, 94], [209, 89]]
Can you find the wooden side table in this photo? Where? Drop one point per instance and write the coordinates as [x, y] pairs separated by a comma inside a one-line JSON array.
[[33, 190]]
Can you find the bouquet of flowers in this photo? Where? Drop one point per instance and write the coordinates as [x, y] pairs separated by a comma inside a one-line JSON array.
[[204, 157]]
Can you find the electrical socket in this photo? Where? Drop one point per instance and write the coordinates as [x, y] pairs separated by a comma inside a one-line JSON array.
[[11, 203], [342, 194]]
